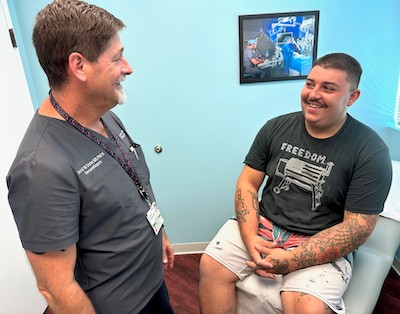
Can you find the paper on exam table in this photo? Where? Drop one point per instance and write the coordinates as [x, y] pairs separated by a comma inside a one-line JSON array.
[[392, 204]]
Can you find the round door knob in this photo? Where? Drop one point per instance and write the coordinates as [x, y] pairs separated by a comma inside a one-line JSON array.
[[158, 149]]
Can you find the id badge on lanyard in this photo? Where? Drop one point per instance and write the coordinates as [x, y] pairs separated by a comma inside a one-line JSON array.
[[154, 218]]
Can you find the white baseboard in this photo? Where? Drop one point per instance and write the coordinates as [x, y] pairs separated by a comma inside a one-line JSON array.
[[396, 265], [189, 248]]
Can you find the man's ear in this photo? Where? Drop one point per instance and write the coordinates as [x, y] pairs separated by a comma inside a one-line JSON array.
[[353, 97], [77, 65]]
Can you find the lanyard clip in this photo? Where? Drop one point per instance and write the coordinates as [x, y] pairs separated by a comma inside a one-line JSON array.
[[144, 194]]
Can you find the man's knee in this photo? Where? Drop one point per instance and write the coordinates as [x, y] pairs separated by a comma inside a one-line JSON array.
[[303, 303], [214, 270], [209, 266], [216, 283]]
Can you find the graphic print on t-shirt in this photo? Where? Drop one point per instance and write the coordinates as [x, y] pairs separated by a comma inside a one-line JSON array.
[[303, 174]]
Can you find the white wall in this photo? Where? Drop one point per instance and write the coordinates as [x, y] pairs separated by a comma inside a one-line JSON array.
[[18, 292]]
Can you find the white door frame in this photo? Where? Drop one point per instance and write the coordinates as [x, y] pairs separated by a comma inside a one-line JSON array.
[[18, 290]]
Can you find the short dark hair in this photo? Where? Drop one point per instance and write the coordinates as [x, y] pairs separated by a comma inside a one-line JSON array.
[[344, 62], [66, 26]]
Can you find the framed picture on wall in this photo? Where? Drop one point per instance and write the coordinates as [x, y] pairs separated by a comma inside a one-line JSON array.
[[278, 46]]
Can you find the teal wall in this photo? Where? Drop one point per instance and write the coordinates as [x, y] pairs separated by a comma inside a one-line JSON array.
[[185, 94]]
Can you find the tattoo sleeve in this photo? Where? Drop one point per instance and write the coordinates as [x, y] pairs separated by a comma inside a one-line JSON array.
[[333, 242]]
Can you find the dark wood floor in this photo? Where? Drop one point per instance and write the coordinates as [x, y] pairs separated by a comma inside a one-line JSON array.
[[182, 282]]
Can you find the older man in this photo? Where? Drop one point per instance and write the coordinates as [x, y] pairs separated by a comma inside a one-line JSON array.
[[79, 186]]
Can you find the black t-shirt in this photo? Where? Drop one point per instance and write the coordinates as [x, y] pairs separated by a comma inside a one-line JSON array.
[[312, 181], [64, 189]]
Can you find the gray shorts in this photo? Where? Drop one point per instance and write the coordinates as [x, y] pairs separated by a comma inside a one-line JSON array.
[[328, 282]]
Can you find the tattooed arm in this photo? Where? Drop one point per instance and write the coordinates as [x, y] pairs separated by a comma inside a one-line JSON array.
[[323, 247], [247, 210], [246, 197]]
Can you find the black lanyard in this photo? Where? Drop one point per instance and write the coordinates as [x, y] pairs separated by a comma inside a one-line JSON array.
[[127, 165]]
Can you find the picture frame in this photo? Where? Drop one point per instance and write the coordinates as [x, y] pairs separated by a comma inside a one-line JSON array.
[[277, 46]]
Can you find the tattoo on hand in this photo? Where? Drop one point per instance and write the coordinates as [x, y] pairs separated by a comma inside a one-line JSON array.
[[280, 266]]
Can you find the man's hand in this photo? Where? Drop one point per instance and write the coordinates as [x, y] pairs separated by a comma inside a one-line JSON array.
[[258, 248], [256, 241], [275, 261], [168, 256]]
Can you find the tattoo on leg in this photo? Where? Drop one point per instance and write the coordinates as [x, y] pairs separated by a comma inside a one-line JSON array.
[[307, 296]]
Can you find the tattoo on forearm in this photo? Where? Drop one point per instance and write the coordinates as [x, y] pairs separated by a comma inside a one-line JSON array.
[[334, 242], [240, 207], [304, 257], [254, 200]]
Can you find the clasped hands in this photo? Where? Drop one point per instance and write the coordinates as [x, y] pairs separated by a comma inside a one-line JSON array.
[[268, 258]]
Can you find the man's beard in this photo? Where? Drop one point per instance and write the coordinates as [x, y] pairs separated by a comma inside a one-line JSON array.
[[122, 96]]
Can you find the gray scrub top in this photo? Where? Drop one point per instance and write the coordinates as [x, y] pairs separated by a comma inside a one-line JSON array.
[[64, 189]]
